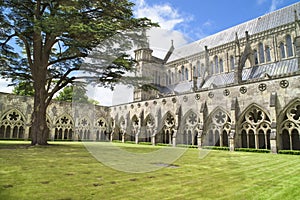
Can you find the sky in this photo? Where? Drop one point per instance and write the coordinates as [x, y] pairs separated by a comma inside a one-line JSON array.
[[184, 21]]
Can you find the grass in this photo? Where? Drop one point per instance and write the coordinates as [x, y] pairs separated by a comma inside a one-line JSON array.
[[68, 171]]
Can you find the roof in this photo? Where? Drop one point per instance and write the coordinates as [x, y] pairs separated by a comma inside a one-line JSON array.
[[273, 69], [271, 20]]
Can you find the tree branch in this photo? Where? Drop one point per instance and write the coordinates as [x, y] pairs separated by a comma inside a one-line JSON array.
[[67, 58]]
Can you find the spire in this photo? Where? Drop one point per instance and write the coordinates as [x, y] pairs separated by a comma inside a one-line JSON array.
[[169, 52]]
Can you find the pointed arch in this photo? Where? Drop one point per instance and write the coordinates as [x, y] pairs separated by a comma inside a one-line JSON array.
[[188, 128], [217, 128], [64, 127], [289, 126], [12, 124], [254, 128], [102, 125]]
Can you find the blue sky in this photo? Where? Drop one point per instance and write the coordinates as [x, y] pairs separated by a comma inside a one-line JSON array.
[[198, 18], [185, 21]]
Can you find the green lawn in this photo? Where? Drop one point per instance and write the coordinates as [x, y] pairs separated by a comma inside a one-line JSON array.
[[69, 171]]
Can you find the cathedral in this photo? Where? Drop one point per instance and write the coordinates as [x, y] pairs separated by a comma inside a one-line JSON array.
[[239, 88]]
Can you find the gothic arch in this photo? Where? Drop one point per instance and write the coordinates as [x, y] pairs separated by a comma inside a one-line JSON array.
[[101, 126], [289, 126], [148, 128], [64, 127], [167, 130], [84, 128], [254, 128], [189, 128], [12, 125], [217, 128]]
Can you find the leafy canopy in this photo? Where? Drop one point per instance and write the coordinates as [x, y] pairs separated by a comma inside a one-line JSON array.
[[46, 42]]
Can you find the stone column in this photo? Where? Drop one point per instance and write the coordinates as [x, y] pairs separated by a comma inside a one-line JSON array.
[[199, 139], [231, 140], [273, 114], [137, 136], [123, 137]]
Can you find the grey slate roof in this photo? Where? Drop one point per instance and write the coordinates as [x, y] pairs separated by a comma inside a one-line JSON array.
[[271, 20], [256, 72]]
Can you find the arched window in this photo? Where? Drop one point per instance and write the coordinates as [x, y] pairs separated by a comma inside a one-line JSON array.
[[255, 57], [198, 69], [173, 78], [289, 46], [167, 78], [182, 73], [194, 72], [268, 54], [231, 63], [186, 74], [170, 77], [211, 67], [261, 53], [216, 65], [201, 70], [221, 66], [282, 50]]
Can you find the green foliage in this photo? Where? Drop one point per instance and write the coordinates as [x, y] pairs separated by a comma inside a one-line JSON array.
[[292, 152], [56, 43], [76, 94], [253, 150], [24, 88], [216, 148]]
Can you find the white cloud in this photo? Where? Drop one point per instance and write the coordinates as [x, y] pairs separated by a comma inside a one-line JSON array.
[[164, 14], [4, 86], [275, 4]]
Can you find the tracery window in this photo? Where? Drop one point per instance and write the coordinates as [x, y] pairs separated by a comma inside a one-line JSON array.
[[268, 54], [231, 63], [282, 50], [255, 129], [186, 74], [182, 73], [149, 129], [64, 127], [255, 57], [102, 133], [216, 70], [290, 128], [12, 125], [261, 53], [198, 69], [221, 66], [190, 132], [219, 126], [289, 46]]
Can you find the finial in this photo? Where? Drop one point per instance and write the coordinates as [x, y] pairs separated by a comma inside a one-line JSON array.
[[172, 42]]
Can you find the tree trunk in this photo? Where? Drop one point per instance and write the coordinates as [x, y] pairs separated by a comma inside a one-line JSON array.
[[39, 128]]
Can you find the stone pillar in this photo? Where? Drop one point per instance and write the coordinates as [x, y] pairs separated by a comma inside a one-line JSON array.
[[256, 140], [137, 137], [111, 136], [199, 139], [123, 137], [273, 114], [26, 133], [273, 142], [174, 141], [153, 140], [231, 140]]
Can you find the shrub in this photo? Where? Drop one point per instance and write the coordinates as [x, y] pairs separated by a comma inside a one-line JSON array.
[[291, 152], [216, 148], [253, 150]]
